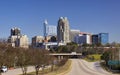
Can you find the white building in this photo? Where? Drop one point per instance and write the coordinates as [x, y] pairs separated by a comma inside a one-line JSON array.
[[83, 39], [17, 39], [13, 40], [23, 41], [49, 45]]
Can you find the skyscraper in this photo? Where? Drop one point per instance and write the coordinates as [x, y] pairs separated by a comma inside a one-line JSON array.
[[45, 28], [15, 31], [49, 30], [63, 30], [15, 34], [17, 39]]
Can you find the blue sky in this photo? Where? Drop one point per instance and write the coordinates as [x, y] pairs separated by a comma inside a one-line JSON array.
[[92, 16]]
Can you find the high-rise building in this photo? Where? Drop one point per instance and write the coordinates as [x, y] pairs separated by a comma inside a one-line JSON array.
[[17, 39], [73, 34], [95, 39], [63, 30], [45, 28], [49, 30], [15, 31], [37, 40], [103, 38], [15, 34]]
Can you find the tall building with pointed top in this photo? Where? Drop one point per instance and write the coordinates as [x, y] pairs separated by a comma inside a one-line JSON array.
[[45, 28], [63, 30]]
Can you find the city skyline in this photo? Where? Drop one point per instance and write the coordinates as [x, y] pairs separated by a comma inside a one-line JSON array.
[[94, 16]]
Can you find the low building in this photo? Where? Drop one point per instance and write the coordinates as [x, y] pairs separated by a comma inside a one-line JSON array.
[[23, 41], [83, 39], [101, 38], [73, 34], [37, 40], [49, 45], [13, 40]]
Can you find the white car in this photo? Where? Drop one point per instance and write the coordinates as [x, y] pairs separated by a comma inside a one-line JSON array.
[[4, 69]]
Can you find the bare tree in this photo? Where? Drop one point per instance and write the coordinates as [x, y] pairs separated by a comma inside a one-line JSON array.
[[9, 56], [2, 55], [23, 60], [21, 57], [40, 59], [1, 59]]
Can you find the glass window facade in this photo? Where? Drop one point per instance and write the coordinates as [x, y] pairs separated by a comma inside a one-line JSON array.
[[50, 30], [95, 39], [103, 38]]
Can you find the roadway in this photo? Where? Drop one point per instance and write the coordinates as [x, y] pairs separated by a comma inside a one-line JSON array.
[[82, 67], [18, 71], [65, 54], [79, 67]]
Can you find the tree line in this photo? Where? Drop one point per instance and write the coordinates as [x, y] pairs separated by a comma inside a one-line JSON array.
[[20, 57]]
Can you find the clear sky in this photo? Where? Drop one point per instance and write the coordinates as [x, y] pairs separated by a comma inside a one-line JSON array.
[[92, 16]]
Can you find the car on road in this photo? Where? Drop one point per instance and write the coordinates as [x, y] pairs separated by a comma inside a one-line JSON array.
[[4, 69]]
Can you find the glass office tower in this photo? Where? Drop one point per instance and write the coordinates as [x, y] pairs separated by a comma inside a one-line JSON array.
[[103, 38], [49, 30]]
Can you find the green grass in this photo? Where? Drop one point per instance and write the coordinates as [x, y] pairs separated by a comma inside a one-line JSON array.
[[62, 70], [93, 57]]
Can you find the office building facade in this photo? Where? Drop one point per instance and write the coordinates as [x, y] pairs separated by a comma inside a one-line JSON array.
[[83, 39], [13, 40], [103, 38], [16, 39], [36, 41], [95, 39], [73, 34], [23, 41]]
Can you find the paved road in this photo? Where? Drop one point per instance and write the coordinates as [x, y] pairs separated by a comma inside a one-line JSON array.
[[18, 71], [81, 67]]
